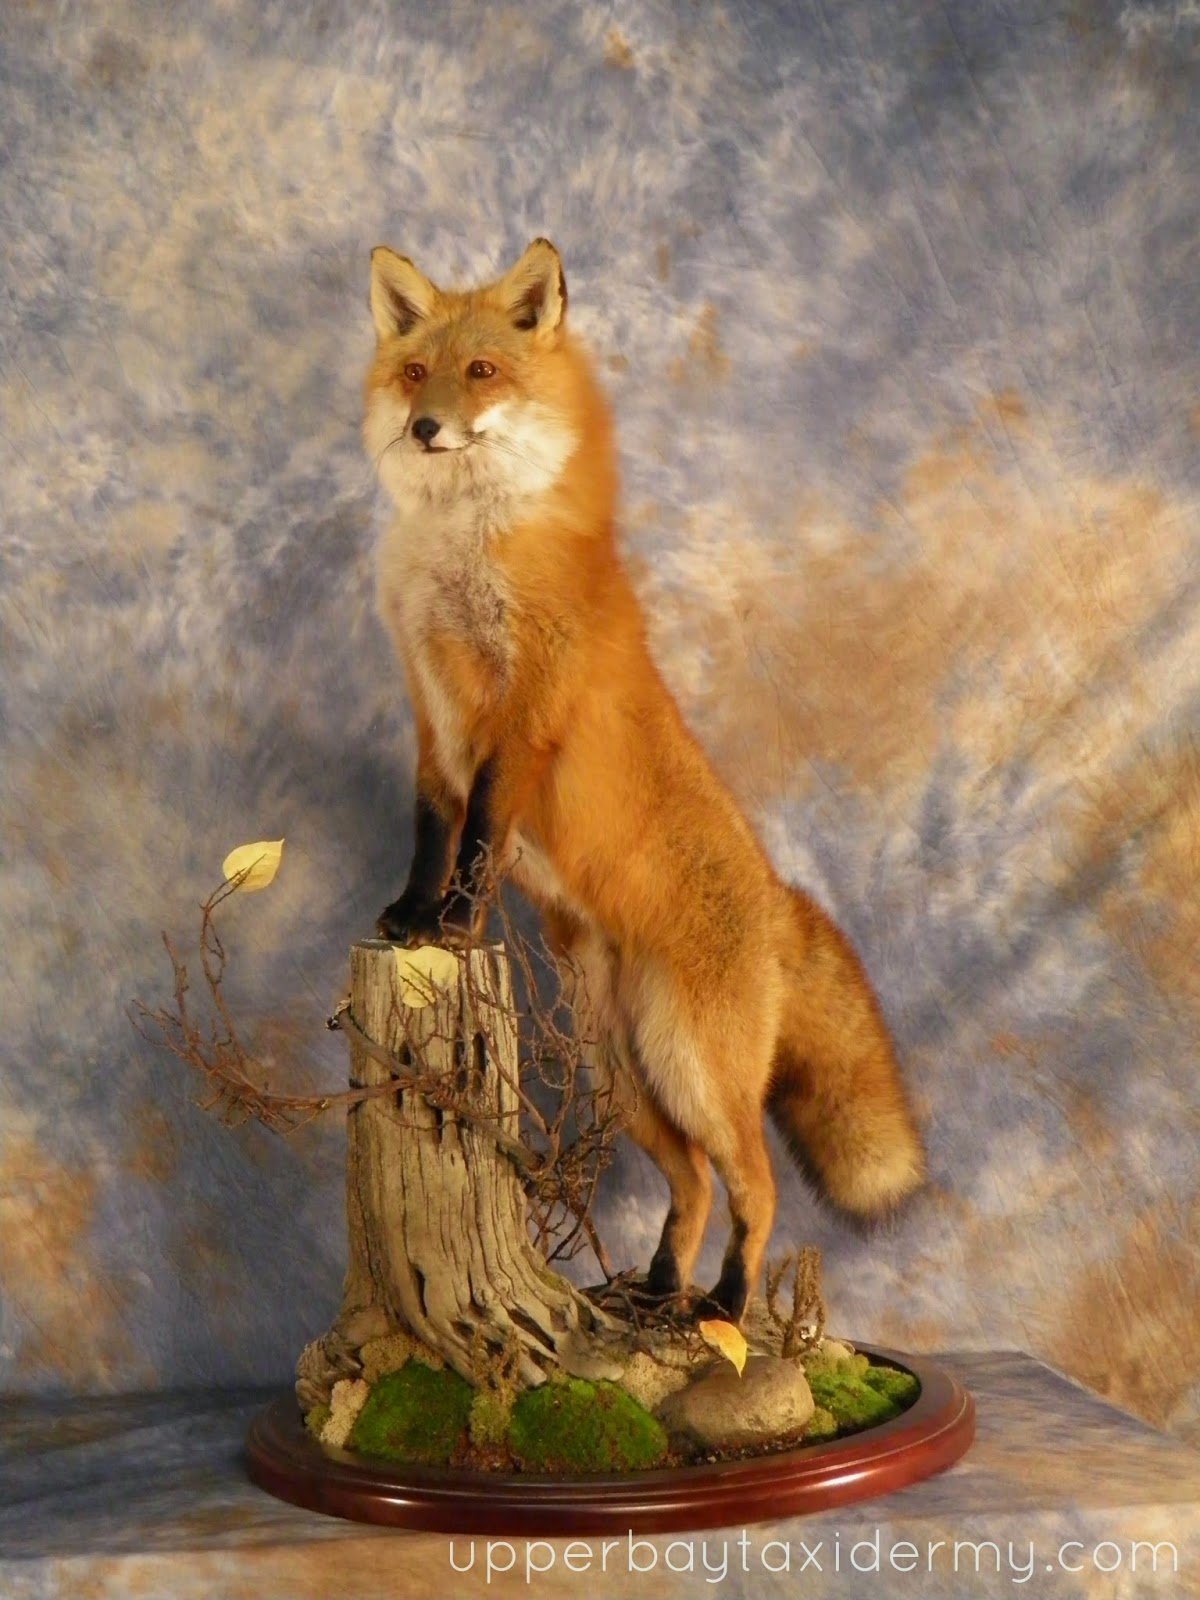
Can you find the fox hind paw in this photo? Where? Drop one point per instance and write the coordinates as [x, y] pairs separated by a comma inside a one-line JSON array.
[[727, 1300]]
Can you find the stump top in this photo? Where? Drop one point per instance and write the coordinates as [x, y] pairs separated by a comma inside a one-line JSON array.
[[495, 946]]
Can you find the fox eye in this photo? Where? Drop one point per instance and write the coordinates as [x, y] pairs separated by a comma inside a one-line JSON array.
[[481, 369], [414, 372]]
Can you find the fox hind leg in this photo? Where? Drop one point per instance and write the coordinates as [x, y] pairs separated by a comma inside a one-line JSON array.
[[681, 1161], [744, 1167], [590, 980], [685, 1166], [709, 1073]]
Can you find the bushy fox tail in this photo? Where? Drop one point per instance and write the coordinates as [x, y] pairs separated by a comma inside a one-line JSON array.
[[836, 1092]]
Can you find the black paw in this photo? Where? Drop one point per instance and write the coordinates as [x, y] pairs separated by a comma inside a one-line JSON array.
[[663, 1280], [409, 923], [706, 1308], [726, 1301], [651, 1297]]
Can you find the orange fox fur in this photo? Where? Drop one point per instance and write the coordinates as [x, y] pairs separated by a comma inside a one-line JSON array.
[[547, 736]]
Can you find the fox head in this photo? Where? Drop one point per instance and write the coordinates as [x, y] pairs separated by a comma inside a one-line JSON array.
[[475, 390]]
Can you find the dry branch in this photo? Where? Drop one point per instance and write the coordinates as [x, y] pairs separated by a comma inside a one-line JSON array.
[[567, 1125], [803, 1326]]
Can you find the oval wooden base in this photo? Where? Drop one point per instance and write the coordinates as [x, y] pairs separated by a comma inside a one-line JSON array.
[[932, 1434]]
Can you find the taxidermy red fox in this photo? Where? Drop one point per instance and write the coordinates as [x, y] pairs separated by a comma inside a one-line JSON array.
[[548, 738]]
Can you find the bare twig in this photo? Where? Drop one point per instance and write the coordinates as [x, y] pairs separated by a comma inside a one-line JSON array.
[[803, 1326], [567, 1124]]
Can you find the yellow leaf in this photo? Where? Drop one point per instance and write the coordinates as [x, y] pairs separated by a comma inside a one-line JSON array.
[[723, 1336], [253, 866], [423, 972]]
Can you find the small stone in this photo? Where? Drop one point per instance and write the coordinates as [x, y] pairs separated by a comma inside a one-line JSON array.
[[585, 1358], [835, 1351], [650, 1381], [770, 1401]]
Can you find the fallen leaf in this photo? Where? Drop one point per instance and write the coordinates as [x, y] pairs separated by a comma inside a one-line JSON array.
[[253, 866], [423, 972], [723, 1336]]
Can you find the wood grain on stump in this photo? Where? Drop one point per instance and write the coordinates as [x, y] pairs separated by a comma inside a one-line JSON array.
[[438, 1231]]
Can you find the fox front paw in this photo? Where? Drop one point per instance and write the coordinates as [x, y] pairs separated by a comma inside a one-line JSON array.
[[408, 922]]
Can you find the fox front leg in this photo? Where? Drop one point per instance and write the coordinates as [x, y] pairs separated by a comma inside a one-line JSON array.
[[415, 918], [464, 909], [501, 790]]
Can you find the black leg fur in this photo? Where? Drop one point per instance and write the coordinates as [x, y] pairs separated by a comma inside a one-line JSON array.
[[473, 849], [414, 916], [663, 1278], [727, 1299]]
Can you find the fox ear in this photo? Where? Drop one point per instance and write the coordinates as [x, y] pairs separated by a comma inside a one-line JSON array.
[[400, 295], [535, 290]]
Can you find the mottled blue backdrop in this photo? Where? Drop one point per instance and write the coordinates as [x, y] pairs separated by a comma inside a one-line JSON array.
[[899, 309]]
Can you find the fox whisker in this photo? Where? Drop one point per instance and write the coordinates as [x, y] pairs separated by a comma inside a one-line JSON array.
[[399, 439], [509, 448]]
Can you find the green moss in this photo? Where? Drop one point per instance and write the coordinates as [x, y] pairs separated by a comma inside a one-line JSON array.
[[823, 1361], [415, 1414], [860, 1400], [900, 1387], [490, 1415], [821, 1425], [578, 1426], [316, 1419]]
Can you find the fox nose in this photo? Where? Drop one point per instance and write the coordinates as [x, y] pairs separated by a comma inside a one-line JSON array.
[[426, 429]]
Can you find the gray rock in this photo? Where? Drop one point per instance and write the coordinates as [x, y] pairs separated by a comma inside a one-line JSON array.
[[771, 1400]]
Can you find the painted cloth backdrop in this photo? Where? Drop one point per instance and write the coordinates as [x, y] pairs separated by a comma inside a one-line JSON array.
[[898, 308]]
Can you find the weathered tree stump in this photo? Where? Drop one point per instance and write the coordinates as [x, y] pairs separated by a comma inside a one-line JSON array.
[[443, 1269], [438, 1232]]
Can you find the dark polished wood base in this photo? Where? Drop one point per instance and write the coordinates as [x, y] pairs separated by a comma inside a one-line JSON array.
[[932, 1434]]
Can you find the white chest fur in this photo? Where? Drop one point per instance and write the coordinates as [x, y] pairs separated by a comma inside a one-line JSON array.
[[435, 574], [435, 577]]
